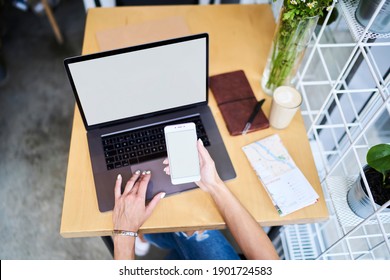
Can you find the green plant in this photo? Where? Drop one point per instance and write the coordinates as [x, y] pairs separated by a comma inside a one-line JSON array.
[[378, 157], [291, 34], [299, 9]]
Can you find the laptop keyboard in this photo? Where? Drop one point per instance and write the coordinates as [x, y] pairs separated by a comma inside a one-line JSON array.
[[143, 144]]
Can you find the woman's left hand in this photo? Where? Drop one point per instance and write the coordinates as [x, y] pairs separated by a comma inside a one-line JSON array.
[[130, 210]]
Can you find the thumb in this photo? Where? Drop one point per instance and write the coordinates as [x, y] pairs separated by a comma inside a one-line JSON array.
[[204, 154]]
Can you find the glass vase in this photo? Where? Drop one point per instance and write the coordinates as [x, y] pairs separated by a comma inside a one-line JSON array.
[[290, 41]]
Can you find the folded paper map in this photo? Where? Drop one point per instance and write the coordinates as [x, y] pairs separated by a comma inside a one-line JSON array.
[[284, 182]]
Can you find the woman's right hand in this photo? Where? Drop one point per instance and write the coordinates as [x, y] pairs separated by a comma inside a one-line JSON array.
[[208, 172], [209, 178]]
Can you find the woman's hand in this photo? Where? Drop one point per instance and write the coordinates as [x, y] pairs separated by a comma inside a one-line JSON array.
[[208, 172], [130, 210], [248, 234], [209, 178]]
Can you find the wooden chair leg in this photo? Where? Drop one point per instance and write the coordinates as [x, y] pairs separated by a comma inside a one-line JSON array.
[[53, 21]]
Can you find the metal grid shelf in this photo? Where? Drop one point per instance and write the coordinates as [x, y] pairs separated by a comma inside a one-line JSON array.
[[348, 8], [338, 187], [330, 108]]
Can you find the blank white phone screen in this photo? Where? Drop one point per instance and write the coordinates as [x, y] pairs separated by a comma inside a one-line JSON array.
[[183, 154]]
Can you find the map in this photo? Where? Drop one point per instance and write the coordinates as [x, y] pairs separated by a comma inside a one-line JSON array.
[[270, 156], [286, 185]]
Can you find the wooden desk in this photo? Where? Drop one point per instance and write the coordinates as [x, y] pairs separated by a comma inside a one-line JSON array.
[[240, 38]]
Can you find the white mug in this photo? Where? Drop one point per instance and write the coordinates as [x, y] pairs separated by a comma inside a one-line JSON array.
[[285, 102]]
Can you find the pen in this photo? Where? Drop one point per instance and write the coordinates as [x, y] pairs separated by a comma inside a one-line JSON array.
[[256, 109]]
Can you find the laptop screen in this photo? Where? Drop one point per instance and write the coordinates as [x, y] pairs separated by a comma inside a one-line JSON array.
[[140, 81]]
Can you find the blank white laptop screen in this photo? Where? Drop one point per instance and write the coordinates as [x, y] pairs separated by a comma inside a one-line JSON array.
[[141, 82]]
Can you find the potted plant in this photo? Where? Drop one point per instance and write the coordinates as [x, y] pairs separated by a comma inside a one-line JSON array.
[[365, 11], [377, 173]]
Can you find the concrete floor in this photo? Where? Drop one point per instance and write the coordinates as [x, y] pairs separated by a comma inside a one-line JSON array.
[[36, 110]]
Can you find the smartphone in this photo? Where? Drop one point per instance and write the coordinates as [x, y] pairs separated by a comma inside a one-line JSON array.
[[181, 141]]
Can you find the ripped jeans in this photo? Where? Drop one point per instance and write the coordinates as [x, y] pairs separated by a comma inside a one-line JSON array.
[[207, 245]]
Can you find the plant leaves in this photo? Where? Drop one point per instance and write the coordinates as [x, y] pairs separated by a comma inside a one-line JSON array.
[[288, 15], [378, 157]]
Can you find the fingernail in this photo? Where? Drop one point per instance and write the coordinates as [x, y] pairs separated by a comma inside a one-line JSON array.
[[119, 177], [201, 142], [148, 172], [162, 195], [143, 172]]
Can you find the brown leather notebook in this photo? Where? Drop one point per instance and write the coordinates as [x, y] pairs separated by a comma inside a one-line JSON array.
[[236, 101]]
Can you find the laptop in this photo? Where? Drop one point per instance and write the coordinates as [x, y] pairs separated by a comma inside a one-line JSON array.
[[127, 96]]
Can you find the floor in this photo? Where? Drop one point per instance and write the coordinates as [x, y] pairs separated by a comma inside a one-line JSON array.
[[36, 110]]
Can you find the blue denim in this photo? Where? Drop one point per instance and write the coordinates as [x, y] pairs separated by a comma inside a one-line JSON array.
[[208, 245]]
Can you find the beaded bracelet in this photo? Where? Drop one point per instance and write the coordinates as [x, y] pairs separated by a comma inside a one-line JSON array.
[[124, 232]]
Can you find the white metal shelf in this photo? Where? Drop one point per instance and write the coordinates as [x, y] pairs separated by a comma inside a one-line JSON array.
[[340, 129], [338, 187], [348, 8]]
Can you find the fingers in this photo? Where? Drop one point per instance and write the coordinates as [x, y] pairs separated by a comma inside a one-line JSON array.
[[130, 184], [143, 183], [118, 184], [166, 168], [204, 154], [132, 202], [153, 203]]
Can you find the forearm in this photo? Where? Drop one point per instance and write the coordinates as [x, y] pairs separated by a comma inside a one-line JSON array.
[[248, 234], [124, 247]]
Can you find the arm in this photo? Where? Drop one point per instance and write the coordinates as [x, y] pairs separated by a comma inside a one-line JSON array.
[[130, 211], [248, 234], [124, 248]]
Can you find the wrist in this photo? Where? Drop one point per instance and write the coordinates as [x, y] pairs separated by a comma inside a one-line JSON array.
[[125, 233], [121, 239], [216, 187], [123, 247], [122, 236]]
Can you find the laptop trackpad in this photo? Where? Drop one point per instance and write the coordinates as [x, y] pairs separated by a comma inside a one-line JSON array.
[[160, 182]]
